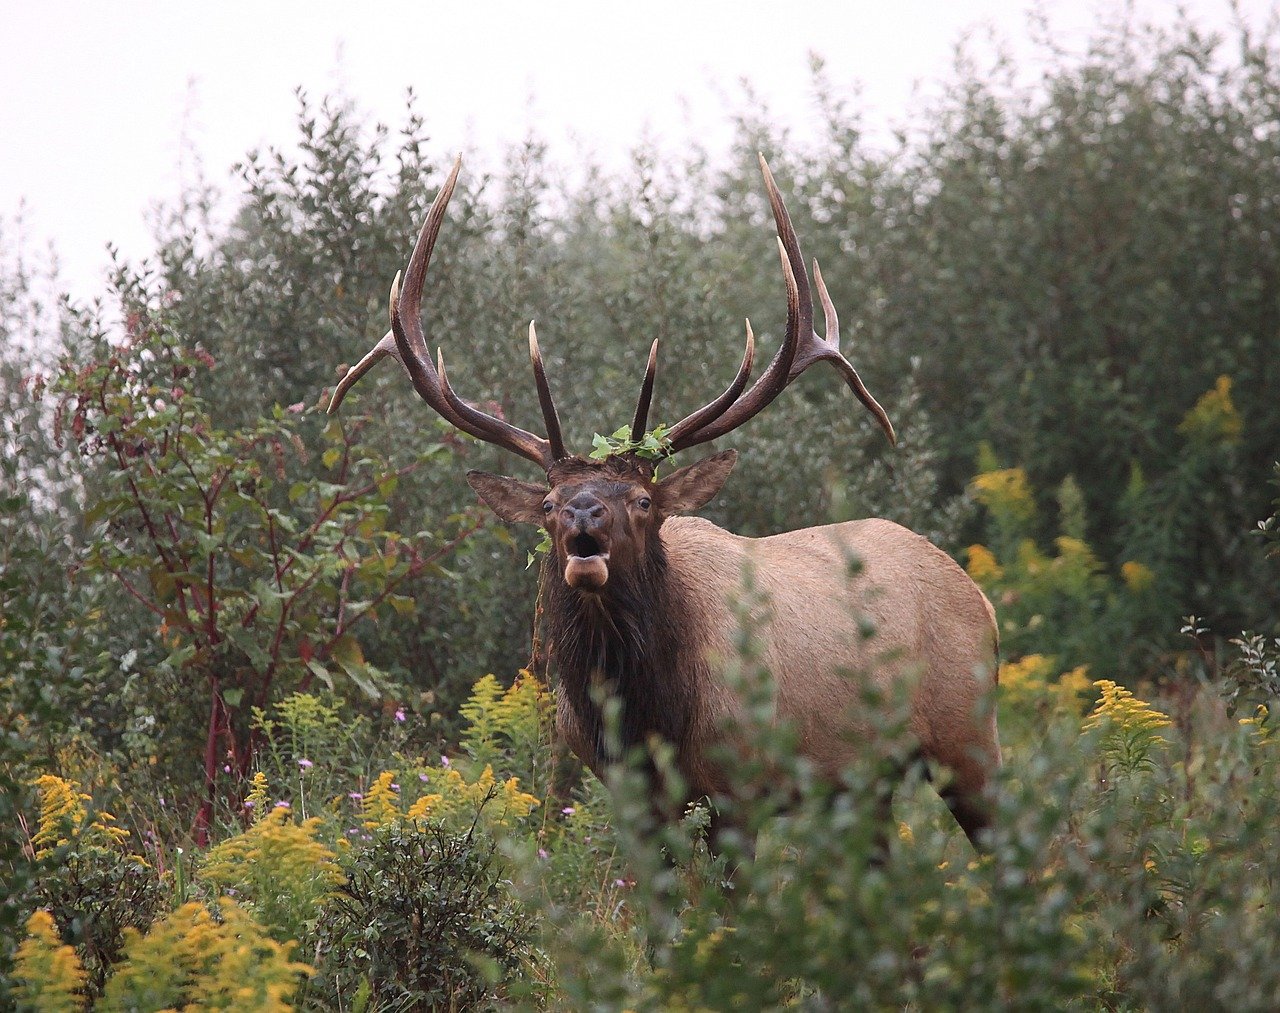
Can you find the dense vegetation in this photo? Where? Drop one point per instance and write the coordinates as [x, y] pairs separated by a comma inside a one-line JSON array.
[[249, 758]]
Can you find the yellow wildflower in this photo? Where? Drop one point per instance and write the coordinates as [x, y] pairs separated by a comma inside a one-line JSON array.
[[1005, 492], [1214, 418], [422, 808], [280, 866], [983, 567], [1070, 685], [1128, 725], [1136, 576], [453, 797], [1258, 722], [48, 972], [190, 960], [62, 814], [256, 800], [381, 804], [1026, 676]]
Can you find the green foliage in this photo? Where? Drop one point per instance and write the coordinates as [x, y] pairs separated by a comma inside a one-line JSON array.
[[653, 445], [310, 749], [1100, 890], [425, 920], [510, 726], [253, 572]]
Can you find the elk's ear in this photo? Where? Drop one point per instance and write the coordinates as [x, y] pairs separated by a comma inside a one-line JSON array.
[[694, 485], [509, 498]]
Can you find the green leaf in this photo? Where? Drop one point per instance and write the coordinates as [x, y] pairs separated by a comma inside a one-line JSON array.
[[232, 697], [321, 673]]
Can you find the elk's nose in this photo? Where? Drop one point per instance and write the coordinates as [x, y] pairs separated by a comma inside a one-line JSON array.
[[584, 511]]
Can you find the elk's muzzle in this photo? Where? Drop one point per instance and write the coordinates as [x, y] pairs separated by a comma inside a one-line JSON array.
[[585, 543]]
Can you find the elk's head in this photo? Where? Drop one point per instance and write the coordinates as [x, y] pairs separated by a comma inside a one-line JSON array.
[[603, 514]]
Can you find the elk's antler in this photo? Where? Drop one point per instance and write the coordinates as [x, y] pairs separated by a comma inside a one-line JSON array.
[[801, 348], [406, 344]]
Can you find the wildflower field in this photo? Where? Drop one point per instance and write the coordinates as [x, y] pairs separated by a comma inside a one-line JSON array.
[[251, 757]]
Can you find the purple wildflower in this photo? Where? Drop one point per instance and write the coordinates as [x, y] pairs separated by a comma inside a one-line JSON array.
[[568, 810], [305, 764], [354, 795], [542, 852], [399, 713], [444, 761], [282, 804]]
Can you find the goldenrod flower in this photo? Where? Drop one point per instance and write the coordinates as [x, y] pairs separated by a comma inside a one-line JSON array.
[[62, 814], [256, 800], [381, 802], [982, 566], [1214, 418], [48, 972], [1005, 492], [1128, 726]]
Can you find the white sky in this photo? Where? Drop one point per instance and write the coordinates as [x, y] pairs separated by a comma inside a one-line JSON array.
[[102, 100]]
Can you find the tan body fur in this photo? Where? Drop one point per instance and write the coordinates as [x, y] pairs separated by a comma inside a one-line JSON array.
[[932, 625]]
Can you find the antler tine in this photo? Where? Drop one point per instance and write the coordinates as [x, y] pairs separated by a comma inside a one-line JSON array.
[[641, 419], [843, 365], [406, 308], [800, 348], [493, 430], [407, 344], [549, 415], [709, 413], [385, 347]]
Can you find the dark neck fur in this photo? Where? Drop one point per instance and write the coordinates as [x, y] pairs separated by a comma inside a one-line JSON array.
[[633, 640]]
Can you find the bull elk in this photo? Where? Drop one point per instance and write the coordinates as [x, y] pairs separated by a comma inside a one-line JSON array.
[[641, 598]]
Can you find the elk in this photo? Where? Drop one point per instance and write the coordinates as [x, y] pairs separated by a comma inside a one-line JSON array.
[[640, 598]]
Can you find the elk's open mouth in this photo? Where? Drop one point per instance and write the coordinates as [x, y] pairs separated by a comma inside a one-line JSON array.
[[584, 545], [586, 562]]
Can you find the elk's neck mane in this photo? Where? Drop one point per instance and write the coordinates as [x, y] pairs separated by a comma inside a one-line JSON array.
[[633, 640]]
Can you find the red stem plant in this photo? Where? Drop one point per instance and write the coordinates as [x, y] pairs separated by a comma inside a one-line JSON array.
[[254, 564]]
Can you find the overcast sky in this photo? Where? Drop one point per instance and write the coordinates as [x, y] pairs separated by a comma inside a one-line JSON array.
[[105, 102]]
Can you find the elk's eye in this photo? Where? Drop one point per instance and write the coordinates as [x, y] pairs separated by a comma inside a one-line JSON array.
[[644, 503], [546, 507]]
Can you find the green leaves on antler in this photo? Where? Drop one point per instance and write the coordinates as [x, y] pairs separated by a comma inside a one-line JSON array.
[[653, 446]]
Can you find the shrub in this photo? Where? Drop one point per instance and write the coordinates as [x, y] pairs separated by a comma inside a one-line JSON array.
[[92, 887], [425, 920]]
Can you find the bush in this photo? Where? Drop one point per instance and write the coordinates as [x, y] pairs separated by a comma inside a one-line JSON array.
[[425, 921]]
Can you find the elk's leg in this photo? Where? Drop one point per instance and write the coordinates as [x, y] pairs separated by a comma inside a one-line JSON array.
[[968, 793], [973, 813]]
